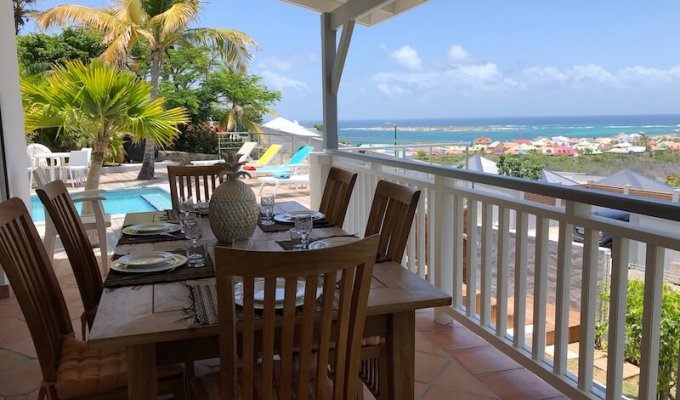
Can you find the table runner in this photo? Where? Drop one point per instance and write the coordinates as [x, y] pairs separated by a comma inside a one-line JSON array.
[[181, 273]]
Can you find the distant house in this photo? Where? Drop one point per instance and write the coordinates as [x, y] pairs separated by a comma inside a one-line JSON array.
[[482, 140], [559, 150]]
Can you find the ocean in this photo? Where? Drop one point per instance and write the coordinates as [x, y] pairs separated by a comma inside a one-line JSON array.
[[502, 129]]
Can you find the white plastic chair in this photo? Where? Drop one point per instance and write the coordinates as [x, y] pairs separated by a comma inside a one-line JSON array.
[[245, 151], [78, 165], [34, 150], [98, 221]]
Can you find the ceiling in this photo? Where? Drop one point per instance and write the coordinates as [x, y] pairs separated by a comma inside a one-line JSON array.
[[365, 12]]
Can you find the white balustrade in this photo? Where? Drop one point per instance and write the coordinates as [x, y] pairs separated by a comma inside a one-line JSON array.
[[532, 244]]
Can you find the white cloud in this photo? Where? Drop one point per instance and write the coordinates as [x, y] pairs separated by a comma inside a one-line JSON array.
[[544, 74], [280, 82], [458, 53], [407, 57], [277, 63]]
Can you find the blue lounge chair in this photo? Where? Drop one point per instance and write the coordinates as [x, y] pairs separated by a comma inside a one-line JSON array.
[[299, 158]]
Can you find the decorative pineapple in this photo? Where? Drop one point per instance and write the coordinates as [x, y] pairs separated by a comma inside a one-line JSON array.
[[233, 210]]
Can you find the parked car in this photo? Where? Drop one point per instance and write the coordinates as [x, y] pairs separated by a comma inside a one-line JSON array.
[[604, 238]]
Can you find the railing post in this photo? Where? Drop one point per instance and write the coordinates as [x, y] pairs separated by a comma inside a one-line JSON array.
[[443, 257], [319, 165]]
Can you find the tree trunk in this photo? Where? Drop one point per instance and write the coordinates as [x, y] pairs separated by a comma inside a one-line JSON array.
[[148, 163], [96, 163]]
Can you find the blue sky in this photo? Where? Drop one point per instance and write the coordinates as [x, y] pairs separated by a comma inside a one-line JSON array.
[[450, 58]]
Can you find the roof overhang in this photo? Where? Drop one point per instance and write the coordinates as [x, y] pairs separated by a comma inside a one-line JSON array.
[[364, 12]]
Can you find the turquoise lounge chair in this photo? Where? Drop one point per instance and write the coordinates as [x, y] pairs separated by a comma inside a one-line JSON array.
[[300, 157]]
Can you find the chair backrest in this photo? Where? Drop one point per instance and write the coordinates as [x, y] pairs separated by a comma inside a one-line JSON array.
[[37, 148], [78, 158], [64, 216], [24, 259], [89, 152], [336, 195], [34, 149], [300, 156], [391, 215], [269, 154], [245, 151], [339, 276], [197, 181], [40, 177]]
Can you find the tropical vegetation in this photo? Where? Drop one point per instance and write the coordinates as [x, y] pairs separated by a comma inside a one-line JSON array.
[[669, 344], [98, 102], [153, 26]]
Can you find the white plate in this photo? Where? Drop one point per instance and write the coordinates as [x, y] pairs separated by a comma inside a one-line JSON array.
[[145, 258], [150, 229], [258, 298], [176, 261], [289, 217], [331, 242]]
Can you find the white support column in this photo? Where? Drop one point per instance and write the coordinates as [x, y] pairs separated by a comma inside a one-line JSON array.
[[319, 165], [330, 100], [13, 140], [13, 159]]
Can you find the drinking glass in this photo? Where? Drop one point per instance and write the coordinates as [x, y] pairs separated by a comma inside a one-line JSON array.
[[304, 225], [194, 231], [267, 206], [186, 206], [295, 239]]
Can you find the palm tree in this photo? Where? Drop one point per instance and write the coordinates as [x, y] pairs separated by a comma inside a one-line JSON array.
[[159, 24], [99, 101], [21, 13]]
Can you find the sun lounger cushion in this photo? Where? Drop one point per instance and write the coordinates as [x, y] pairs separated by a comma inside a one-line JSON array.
[[281, 175]]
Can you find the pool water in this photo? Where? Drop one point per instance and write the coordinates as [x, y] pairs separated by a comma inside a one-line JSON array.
[[120, 201]]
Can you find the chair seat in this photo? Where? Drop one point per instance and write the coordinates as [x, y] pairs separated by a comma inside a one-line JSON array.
[[84, 372], [208, 386]]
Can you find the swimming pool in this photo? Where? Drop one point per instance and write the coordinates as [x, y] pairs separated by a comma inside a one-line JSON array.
[[119, 201]]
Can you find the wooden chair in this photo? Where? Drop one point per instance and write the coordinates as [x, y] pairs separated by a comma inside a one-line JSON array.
[[391, 216], [195, 181], [307, 339], [71, 229], [336, 195], [70, 370], [98, 220]]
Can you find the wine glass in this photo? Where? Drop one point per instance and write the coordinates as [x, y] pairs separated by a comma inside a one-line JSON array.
[[193, 230], [186, 206], [267, 206], [304, 225]]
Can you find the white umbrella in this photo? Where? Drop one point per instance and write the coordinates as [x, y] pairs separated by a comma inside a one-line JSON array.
[[282, 125]]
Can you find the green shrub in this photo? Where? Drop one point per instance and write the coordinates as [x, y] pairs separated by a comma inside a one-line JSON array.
[[197, 138], [669, 332]]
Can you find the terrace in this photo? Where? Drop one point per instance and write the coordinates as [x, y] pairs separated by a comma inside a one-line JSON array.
[[451, 359], [517, 256]]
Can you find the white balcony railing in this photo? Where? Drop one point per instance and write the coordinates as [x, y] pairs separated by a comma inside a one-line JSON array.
[[546, 295]]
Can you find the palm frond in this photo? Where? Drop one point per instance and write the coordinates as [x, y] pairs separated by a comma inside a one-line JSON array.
[[175, 19], [99, 20], [132, 11], [233, 47]]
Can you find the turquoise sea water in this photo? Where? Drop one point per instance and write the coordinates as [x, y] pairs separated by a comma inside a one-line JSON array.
[[119, 201], [507, 128]]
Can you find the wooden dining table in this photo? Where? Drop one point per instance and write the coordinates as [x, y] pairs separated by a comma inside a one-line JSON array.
[[150, 321]]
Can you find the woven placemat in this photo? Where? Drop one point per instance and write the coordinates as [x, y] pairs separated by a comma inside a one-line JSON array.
[[203, 304], [281, 227], [290, 245], [181, 273], [127, 239]]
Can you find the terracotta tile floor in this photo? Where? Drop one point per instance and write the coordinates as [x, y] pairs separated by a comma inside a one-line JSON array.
[[451, 361]]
